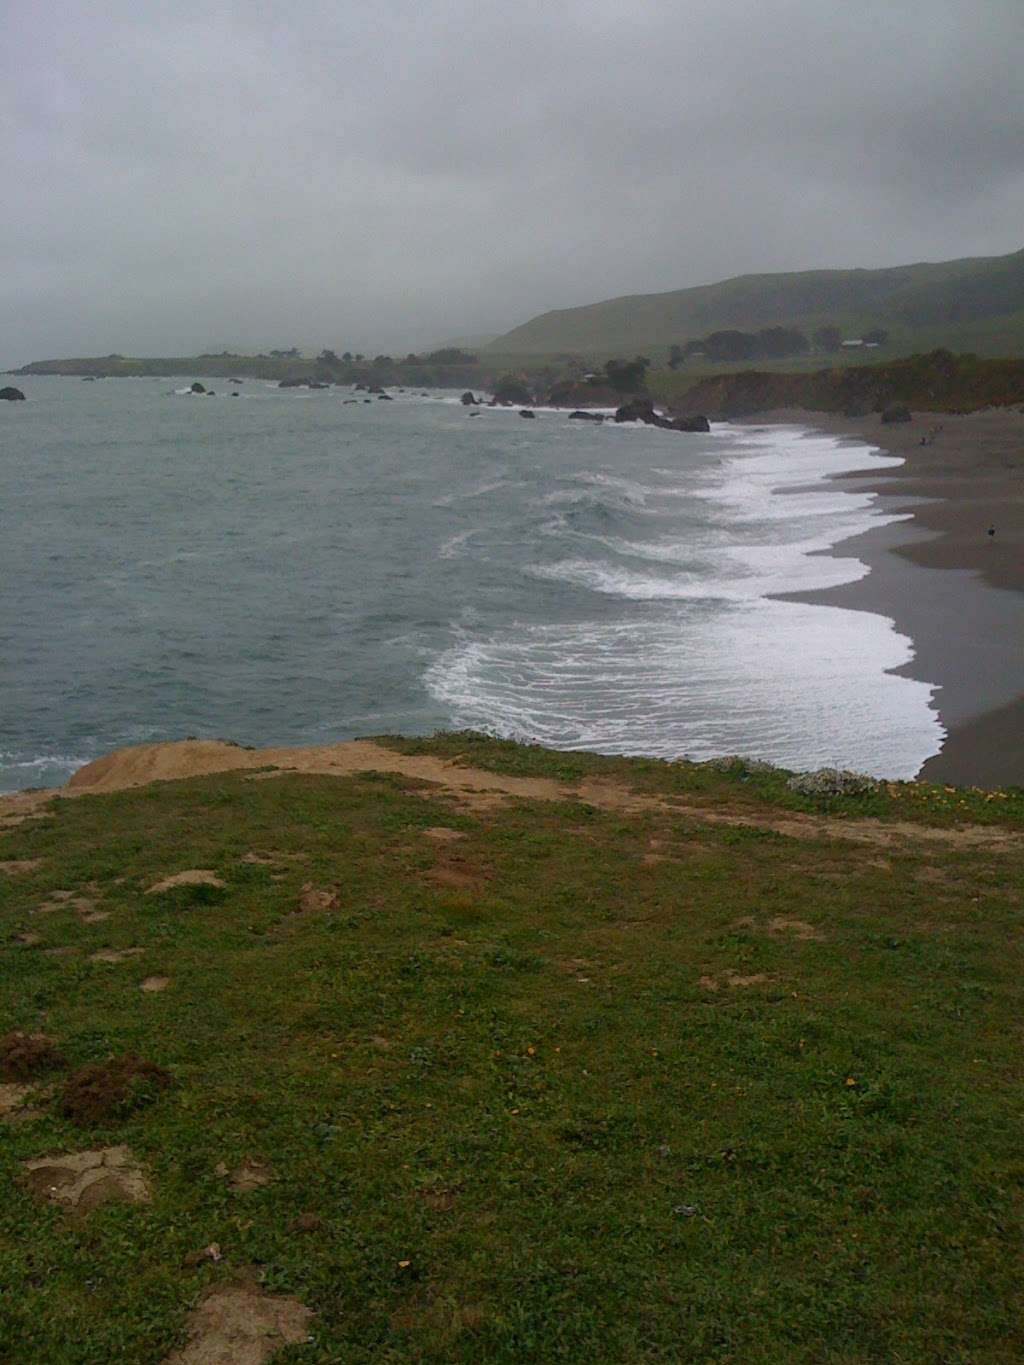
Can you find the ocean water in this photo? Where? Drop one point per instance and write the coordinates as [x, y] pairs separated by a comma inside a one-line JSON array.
[[286, 567]]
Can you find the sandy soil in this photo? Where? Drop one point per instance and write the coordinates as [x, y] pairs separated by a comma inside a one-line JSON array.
[[968, 477]]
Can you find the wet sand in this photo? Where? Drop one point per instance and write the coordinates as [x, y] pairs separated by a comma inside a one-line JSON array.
[[957, 591]]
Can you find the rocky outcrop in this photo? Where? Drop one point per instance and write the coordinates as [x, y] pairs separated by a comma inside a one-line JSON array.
[[527, 412], [643, 410], [897, 412], [468, 400], [582, 416], [293, 384], [11, 395], [197, 387]]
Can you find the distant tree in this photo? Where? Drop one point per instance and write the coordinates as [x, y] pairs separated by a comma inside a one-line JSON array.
[[382, 360], [729, 345], [626, 376], [676, 357], [450, 355], [828, 339], [347, 357], [360, 357], [327, 357], [776, 343], [411, 359], [878, 335]]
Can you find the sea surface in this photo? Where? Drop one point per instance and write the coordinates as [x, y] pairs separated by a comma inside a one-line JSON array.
[[289, 567]]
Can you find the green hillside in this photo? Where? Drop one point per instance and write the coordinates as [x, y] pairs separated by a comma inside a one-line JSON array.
[[974, 304]]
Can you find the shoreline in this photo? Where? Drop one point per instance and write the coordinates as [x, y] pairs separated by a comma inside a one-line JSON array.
[[957, 592]]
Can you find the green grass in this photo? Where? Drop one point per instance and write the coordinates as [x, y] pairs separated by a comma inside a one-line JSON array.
[[520, 1086]]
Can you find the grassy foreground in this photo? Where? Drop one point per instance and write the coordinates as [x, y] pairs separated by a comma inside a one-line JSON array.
[[584, 1084]]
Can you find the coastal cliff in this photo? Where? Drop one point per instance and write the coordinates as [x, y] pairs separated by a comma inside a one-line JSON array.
[[938, 382]]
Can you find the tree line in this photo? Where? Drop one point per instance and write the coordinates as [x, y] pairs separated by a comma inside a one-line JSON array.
[[770, 343]]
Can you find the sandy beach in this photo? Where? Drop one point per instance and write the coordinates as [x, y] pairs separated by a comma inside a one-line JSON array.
[[956, 590]]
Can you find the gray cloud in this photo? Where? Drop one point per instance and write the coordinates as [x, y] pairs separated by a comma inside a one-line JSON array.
[[391, 175]]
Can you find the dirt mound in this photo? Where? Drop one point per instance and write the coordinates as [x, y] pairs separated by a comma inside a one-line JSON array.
[[23, 1055], [84, 1180], [105, 1091], [194, 876], [160, 763], [241, 1324], [313, 898]]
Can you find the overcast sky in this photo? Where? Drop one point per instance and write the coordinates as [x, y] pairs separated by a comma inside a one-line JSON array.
[[366, 176]]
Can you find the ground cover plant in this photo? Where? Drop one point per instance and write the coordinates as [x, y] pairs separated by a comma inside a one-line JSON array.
[[706, 1070]]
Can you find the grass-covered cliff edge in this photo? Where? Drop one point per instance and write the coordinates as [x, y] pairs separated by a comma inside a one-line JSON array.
[[939, 381], [456, 1050]]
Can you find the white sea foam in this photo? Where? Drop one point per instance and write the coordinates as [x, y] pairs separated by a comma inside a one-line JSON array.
[[702, 659]]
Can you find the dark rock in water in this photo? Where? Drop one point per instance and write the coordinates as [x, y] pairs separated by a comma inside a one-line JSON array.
[[643, 410], [10, 395], [637, 410], [897, 413], [582, 416], [367, 400], [234, 393], [294, 384], [359, 388], [197, 387], [384, 398], [210, 393], [236, 381], [88, 379], [468, 401], [346, 401], [474, 414], [527, 412], [318, 384]]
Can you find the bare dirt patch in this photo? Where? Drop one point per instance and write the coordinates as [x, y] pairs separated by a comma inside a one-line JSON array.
[[443, 834], [19, 807], [252, 1173], [154, 984], [269, 858], [87, 911], [14, 1106], [194, 876], [750, 979], [733, 979], [28, 939], [315, 898], [23, 1055], [104, 1091], [241, 1324], [16, 867], [454, 877], [81, 1181], [438, 1199], [798, 928], [115, 954]]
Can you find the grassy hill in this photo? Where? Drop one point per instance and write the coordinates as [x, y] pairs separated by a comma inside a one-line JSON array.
[[490, 1054], [973, 304]]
